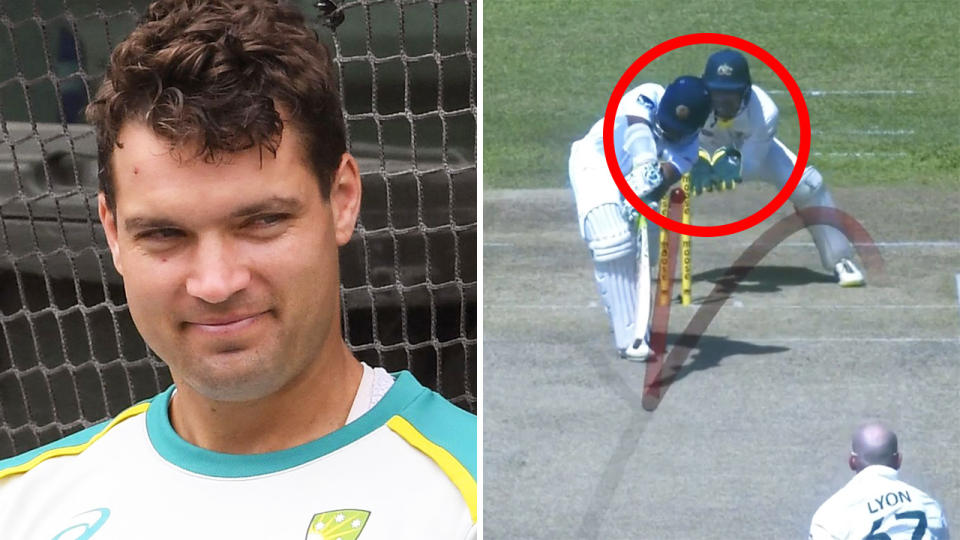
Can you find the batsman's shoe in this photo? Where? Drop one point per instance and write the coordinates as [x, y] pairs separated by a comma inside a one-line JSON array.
[[848, 275], [638, 351]]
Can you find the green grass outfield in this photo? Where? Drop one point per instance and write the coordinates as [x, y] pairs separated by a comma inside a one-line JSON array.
[[549, 67]]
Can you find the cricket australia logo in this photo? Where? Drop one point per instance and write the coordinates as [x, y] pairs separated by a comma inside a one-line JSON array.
[[725, 70], [337, 525]]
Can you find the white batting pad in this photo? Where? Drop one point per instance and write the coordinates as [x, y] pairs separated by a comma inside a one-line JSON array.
[[615, 263]]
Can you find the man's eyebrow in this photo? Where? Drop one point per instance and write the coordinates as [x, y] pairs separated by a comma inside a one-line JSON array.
[[137, 223], [273, 204]]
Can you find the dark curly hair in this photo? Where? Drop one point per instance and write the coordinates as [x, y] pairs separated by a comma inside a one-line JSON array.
[[212, 73]]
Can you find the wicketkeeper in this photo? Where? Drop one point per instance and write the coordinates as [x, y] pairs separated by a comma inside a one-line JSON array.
[[655, 137], [739, 140]]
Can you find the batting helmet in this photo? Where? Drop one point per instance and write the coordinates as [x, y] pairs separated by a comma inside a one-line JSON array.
[[727, 70], [683, 109]]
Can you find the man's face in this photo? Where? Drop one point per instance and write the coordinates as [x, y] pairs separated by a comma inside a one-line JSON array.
[[726, 103], [230, 269]]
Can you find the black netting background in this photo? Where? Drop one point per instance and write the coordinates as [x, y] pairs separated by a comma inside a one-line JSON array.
[[70, 355]]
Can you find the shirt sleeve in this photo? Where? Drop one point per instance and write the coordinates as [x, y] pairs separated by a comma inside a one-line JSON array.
[[763, 128], [641, 101], [938, 528], [819, 533], [682, 157], [639, 143]]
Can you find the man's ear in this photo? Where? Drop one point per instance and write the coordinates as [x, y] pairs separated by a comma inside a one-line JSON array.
[[345, 192], [109, 221]]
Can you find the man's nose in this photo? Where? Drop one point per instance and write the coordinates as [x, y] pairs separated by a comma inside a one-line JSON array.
[[217, 273]]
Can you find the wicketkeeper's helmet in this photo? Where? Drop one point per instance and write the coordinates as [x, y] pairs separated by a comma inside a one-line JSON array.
[[727, 70], [683, 109]]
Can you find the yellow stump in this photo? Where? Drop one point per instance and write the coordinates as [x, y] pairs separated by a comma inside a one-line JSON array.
[[686, 280], [663, 294]]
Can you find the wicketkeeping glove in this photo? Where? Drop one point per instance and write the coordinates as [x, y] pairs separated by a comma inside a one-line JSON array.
[[701, 174], [726, 168]]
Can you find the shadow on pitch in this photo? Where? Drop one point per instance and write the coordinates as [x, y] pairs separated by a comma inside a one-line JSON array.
[[711, 350], [768, 279]]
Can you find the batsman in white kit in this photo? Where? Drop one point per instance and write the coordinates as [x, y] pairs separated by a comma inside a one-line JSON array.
[[743, 123], [876, 504], [655, 138]]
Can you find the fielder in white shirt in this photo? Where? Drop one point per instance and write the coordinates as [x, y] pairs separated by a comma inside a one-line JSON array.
[[225, 193], [745, 119], [876, 504], [655, 139]]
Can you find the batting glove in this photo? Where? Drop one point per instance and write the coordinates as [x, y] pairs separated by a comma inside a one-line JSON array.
[[644, 178]]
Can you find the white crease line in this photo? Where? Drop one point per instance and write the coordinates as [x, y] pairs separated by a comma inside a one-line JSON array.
[[543, 306], [848, 339], [860, 154], [865, 132], [735, 306], [797, 339], [932, 243], [918, 244], [819, 93], [882, 132]]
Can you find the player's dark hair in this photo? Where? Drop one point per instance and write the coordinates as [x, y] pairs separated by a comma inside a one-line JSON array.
[[213, 74]]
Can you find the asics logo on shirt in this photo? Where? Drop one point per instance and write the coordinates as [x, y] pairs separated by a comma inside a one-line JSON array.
[[91, 521]]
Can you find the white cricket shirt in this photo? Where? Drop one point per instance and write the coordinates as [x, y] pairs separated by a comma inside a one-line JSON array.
[[632, 141], [404, 469], [751, 131], [876, 502]]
